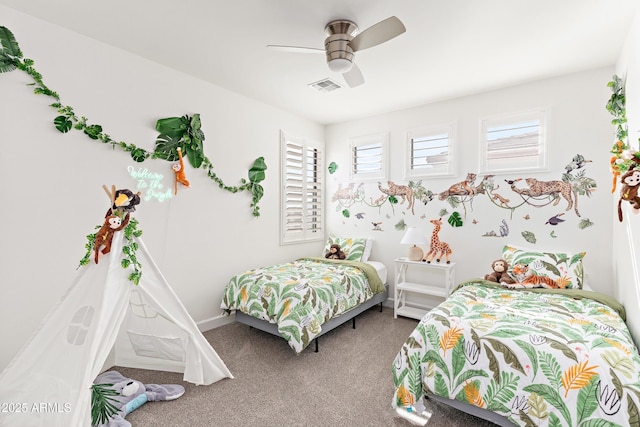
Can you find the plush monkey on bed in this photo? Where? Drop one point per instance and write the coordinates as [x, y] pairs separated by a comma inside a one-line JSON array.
[[335, 252], [500, 274]]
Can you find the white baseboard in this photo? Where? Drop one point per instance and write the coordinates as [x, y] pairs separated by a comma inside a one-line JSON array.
[[215, 322]]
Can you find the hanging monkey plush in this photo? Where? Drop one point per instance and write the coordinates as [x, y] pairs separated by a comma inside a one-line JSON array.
[[178, 168], [630, 183], [104, 236]]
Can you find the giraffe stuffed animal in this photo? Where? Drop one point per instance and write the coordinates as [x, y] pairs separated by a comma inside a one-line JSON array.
[[439, 248]]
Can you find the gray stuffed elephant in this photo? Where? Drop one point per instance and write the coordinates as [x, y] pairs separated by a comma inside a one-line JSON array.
[[132, 394]]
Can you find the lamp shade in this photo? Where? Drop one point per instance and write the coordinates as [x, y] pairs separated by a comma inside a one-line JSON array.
[[414, 237]]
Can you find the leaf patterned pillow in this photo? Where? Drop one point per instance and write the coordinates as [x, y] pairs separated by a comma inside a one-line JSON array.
[[353, 247], [559, 266]]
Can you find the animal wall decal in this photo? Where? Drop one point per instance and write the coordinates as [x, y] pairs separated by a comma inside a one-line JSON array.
[[555, 220], [540, 190], [347, 195], [405, 192], [503, 230], [512, 195], [462, 188]]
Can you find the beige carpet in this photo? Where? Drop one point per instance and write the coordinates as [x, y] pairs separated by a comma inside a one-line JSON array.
[[347, 383]]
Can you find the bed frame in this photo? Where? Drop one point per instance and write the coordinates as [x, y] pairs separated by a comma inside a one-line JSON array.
[[333, 323], [485, 414]]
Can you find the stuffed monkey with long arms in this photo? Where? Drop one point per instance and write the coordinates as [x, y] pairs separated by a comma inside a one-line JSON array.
[[181, 177]]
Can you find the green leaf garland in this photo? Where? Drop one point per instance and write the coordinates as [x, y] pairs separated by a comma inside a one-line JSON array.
[[184, 132]]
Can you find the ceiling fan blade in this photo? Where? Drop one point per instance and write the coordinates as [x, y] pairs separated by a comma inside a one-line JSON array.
[[378, 33], [295, 49], [353, 77]]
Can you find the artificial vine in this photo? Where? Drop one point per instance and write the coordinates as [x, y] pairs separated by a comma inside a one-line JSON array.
[[103, 401], [624, 157], [183, 132]]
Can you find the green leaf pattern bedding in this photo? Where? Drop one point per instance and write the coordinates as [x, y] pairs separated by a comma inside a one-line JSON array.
[[537, 358], [301, 295]]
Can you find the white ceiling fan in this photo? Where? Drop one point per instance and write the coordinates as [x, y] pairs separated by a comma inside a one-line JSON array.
[[343, 41]]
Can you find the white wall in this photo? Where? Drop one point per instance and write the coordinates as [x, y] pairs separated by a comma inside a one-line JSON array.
[[578, 124], [626, 250], [52, 183]]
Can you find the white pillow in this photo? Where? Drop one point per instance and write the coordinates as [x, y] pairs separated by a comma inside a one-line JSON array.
[[367, 249]]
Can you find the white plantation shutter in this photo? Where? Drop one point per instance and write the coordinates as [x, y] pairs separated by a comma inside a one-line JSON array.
[[369, 157], [514, 143], [430, 151], [302, 197]]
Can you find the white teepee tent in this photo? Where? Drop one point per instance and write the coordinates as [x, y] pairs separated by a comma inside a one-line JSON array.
[[103, 317]]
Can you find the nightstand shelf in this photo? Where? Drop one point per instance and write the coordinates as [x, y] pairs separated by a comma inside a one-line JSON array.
[[402, 286]]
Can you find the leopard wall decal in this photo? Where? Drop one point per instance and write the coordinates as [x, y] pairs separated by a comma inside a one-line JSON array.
[[555, 189], [526, 192]]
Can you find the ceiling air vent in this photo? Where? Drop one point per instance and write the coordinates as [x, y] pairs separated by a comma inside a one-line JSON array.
[[325, 85]]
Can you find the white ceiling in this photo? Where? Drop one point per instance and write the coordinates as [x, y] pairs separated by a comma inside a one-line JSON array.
[[451, 48]]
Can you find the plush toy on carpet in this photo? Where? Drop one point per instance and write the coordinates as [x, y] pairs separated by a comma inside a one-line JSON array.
[[130, 394], [500, 273]]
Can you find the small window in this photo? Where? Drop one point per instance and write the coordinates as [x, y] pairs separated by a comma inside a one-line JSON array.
[[369, 157], [302, 191], [513, 143], [430, 151], [79, 325]]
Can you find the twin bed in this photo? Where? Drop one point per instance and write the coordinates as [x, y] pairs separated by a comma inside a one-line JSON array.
[[524, 356], [306, 298], [545, 351]]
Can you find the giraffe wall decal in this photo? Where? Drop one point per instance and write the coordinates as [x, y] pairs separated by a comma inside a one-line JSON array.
[[437, 247]]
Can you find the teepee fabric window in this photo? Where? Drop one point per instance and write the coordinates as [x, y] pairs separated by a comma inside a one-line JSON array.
[[302, 202], [514, 142], [79, 325]]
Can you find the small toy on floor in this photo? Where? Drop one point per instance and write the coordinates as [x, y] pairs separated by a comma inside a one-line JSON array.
[[131, 394]]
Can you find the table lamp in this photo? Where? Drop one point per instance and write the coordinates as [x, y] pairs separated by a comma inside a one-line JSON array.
[[414, 237]]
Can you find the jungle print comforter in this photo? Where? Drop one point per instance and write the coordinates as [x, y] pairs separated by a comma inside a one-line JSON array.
[[302, 295], [537, 358]]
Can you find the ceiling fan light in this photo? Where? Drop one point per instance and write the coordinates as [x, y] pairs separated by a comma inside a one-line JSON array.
[[340, 65]]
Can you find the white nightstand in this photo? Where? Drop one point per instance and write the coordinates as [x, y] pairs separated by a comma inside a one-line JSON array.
[[402, 286]]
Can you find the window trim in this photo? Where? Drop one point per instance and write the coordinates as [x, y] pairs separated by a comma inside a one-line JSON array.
[[381, 138], [303, 236], [450, 128], [540, 114]]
